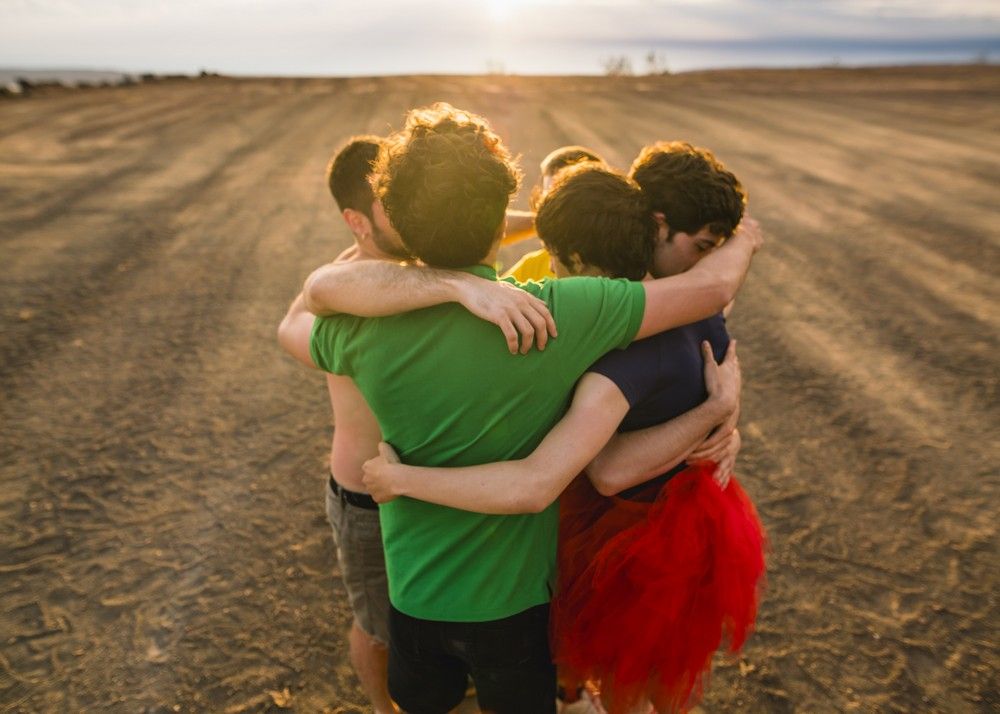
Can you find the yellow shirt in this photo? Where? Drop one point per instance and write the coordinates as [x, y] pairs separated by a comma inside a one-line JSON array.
[[532, 266]]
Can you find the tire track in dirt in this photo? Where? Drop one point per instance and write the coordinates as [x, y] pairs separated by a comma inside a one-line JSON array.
[[117, 171], [79, 279], [157, 440], [163, 476]]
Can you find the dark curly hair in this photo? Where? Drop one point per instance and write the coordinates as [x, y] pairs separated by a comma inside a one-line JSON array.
[[600, 215], [445, 181], [348, 172], [690, 187]]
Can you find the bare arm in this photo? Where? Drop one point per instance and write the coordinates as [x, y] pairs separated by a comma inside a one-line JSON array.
[[703, 290], [527, 485], [530, 484], [295, 331], [378, 288], [520, 225], [630, 458]]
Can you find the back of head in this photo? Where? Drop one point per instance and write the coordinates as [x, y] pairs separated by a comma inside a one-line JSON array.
[[348, 172], [445, 181], [565, 156], [602, 217], [690, 187]]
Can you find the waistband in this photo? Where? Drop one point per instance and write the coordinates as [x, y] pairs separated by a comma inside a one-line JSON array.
[[361, 500]]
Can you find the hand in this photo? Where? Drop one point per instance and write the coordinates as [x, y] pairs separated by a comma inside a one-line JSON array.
[[513, 310], [723, 454], [723, 381], [749, 229], [380, 475]]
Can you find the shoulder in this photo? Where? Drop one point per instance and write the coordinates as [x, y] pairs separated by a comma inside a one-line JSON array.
[[590, 288]]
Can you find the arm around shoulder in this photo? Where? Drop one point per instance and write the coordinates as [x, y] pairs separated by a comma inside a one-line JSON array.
[[705, 289]]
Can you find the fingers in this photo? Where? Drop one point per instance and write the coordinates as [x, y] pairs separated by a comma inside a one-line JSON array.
[[541, 329], [714, 445], [706, 352], [730, 351], [526, 331], [388, 453], [532, 323], [722, 476], [509, 333], [550, 322]]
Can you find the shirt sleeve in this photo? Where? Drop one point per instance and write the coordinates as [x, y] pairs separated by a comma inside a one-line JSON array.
[[633, 370], [332, 343], [594, 316]]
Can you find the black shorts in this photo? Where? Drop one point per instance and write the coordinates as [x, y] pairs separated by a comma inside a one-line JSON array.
[[509, 662]]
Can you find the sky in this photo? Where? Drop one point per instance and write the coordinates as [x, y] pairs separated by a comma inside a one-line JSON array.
[[367, 37]]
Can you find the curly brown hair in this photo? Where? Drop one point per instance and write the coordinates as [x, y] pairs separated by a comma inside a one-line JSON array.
[[600, 215], [445, 181], [690, 187], [348, 172]]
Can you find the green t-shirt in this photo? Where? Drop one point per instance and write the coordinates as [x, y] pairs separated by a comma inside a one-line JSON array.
[[447, 392]]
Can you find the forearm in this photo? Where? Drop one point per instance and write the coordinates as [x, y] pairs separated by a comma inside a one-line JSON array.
[[503, 487], [377, 288], [527, 485], [637, 456]]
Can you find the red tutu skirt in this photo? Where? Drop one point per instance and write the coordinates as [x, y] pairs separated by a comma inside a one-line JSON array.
[[648, 591]]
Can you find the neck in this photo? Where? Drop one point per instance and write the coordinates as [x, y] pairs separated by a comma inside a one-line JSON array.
[[368, 250], [490, 259]]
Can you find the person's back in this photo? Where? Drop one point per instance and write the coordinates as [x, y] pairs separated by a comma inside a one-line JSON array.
[[448, 394]]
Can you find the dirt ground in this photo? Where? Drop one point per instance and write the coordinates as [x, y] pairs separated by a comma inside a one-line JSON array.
[[164, 545]]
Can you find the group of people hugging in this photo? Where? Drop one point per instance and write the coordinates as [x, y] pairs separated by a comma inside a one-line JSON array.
[[530, 485]]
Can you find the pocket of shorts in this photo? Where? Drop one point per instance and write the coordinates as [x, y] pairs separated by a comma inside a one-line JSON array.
[[334, 514]]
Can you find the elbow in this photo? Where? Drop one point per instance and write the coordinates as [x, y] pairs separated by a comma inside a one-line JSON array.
[[601, 480], [604, 487], [309, 297], [721, 291], [535, 503], [726, 294], [282, 333]]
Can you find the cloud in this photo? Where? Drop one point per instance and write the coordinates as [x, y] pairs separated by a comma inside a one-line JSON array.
[[355, 36]]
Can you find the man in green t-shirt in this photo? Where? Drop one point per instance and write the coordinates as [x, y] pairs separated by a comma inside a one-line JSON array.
[[470, 591]]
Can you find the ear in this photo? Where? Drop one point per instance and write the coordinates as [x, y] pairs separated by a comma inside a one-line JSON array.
[[662, 229], [358, 222], [575, 264]]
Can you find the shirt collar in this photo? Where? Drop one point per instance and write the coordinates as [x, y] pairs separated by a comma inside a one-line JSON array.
[[482, 271]]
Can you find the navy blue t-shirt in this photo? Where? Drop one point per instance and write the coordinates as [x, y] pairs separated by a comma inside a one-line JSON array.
[[662, 377]]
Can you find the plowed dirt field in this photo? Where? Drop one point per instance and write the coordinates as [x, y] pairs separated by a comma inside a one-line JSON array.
[[164, 545]]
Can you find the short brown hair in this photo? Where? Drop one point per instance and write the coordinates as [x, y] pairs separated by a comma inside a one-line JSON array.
[[445, 181], [690, 187], [348, 171], [564, 156], [602, 216]]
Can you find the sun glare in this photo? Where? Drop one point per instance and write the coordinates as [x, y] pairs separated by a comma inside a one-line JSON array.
[[499, 10]]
